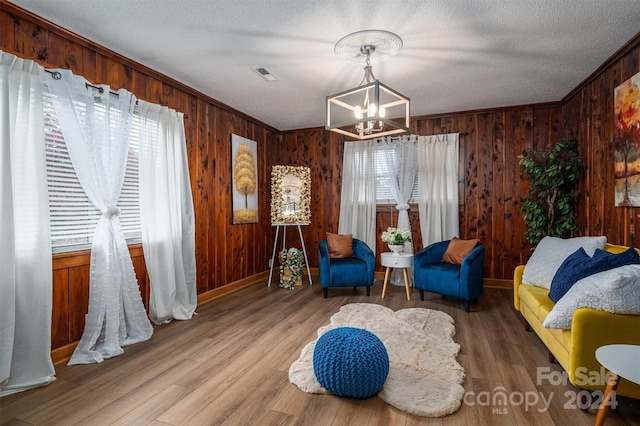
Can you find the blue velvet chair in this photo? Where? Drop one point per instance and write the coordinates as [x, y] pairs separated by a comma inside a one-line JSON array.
[[460, 281], [349, 271]]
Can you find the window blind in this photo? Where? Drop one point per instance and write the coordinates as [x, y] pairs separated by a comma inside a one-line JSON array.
[[383, 180], [73, 217]]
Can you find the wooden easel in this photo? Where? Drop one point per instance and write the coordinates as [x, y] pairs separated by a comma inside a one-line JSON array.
[[284, 240]]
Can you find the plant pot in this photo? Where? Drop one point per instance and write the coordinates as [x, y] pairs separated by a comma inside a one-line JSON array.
[[290, 268], [396, 248], [288, 276]]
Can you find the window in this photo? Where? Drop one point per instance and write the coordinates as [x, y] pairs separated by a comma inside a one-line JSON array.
[[73, 217], [383, 180]]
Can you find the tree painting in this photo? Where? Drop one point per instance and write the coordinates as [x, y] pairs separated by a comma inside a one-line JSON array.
[[626, 140], [245, 180], [244, 172]]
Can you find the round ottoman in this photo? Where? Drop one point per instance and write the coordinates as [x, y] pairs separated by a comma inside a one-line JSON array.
[[350, 362]]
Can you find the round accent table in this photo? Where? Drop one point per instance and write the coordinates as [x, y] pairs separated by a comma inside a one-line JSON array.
[[399, 260], [622, 361]]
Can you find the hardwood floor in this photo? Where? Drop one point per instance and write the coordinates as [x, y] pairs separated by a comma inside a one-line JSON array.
[[229, 365]]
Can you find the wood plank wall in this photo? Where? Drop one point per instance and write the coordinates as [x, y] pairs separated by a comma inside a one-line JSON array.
[[491, 183], [225, 253], [588, 115]]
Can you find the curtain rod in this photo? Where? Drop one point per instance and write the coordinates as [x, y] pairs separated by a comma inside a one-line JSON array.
[[56, 75], [378, 140]]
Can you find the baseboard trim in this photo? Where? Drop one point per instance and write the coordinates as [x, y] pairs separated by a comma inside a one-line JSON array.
[[498, 283], [63, 354], [210, 295], [487, 282]]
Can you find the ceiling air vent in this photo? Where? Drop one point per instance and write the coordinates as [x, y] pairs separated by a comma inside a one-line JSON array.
[[266, 74]]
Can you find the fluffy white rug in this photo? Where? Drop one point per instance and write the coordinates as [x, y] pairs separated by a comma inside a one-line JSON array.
[[424, 377]]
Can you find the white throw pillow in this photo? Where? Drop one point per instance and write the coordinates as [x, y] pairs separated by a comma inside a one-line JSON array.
[[551, 252], [616, 290]]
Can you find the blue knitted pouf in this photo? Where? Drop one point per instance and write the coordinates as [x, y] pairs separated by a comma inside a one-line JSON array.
[[350, 362]]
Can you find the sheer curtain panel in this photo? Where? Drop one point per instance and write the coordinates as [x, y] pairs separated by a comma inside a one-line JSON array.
[[166, 210], [25, 246], [358, 194], [96, 127], [438, 187], [400, 166]]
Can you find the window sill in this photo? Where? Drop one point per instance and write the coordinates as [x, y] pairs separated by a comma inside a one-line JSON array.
[[83, 257]]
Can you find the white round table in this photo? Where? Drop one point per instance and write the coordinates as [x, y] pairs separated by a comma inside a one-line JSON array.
[[399, 260], [621, 361]]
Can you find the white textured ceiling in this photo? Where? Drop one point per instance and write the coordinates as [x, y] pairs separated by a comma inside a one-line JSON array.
[[457, 54]]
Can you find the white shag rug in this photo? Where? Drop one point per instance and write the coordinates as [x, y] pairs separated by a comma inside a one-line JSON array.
[[424, 377]]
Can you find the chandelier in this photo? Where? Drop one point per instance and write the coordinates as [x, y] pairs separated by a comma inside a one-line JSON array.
[[371, 109]]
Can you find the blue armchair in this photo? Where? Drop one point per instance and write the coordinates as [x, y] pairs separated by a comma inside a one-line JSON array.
[[349, 271], [460, 281]]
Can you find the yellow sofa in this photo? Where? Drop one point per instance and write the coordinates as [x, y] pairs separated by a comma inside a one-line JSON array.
[[575, 349]]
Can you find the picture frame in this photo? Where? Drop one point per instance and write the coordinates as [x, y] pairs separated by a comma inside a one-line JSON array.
[[244, 180], [290, 195], [626, 141]]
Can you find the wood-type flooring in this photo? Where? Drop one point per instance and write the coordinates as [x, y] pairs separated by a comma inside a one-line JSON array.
[[229, 365]]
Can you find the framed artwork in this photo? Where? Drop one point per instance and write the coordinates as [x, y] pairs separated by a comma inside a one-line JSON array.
[[626, 139], [244, 175], [290, 195]]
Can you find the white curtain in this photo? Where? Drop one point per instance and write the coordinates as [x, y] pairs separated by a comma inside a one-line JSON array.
[[166, 214], [438, 187], [25, 245], [96, 127], [400, 166], [358, 194]]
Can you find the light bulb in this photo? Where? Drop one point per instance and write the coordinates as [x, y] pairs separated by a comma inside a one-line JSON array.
[[358, 112], [381, 113], [371, 111]]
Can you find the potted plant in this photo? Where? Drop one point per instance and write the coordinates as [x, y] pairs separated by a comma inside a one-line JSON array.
[[553, 174], [396, 238], [291, 268]]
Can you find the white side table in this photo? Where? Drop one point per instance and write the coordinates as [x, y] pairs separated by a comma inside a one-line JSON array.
[[393, 260], [621, 361]]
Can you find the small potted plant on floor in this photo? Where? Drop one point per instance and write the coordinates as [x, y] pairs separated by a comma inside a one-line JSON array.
[[291, 268]]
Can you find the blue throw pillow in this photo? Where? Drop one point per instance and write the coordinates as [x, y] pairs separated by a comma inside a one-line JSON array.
[[574, 268], [627, 257]]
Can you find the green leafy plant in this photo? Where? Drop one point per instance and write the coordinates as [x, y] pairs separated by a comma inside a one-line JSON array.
[[291, 268], [553, 174]]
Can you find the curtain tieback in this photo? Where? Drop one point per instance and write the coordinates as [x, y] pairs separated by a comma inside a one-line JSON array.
[[402, 207], [111, 211]]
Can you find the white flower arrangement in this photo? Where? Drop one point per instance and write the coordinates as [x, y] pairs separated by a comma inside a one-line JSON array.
[[396, 236]]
